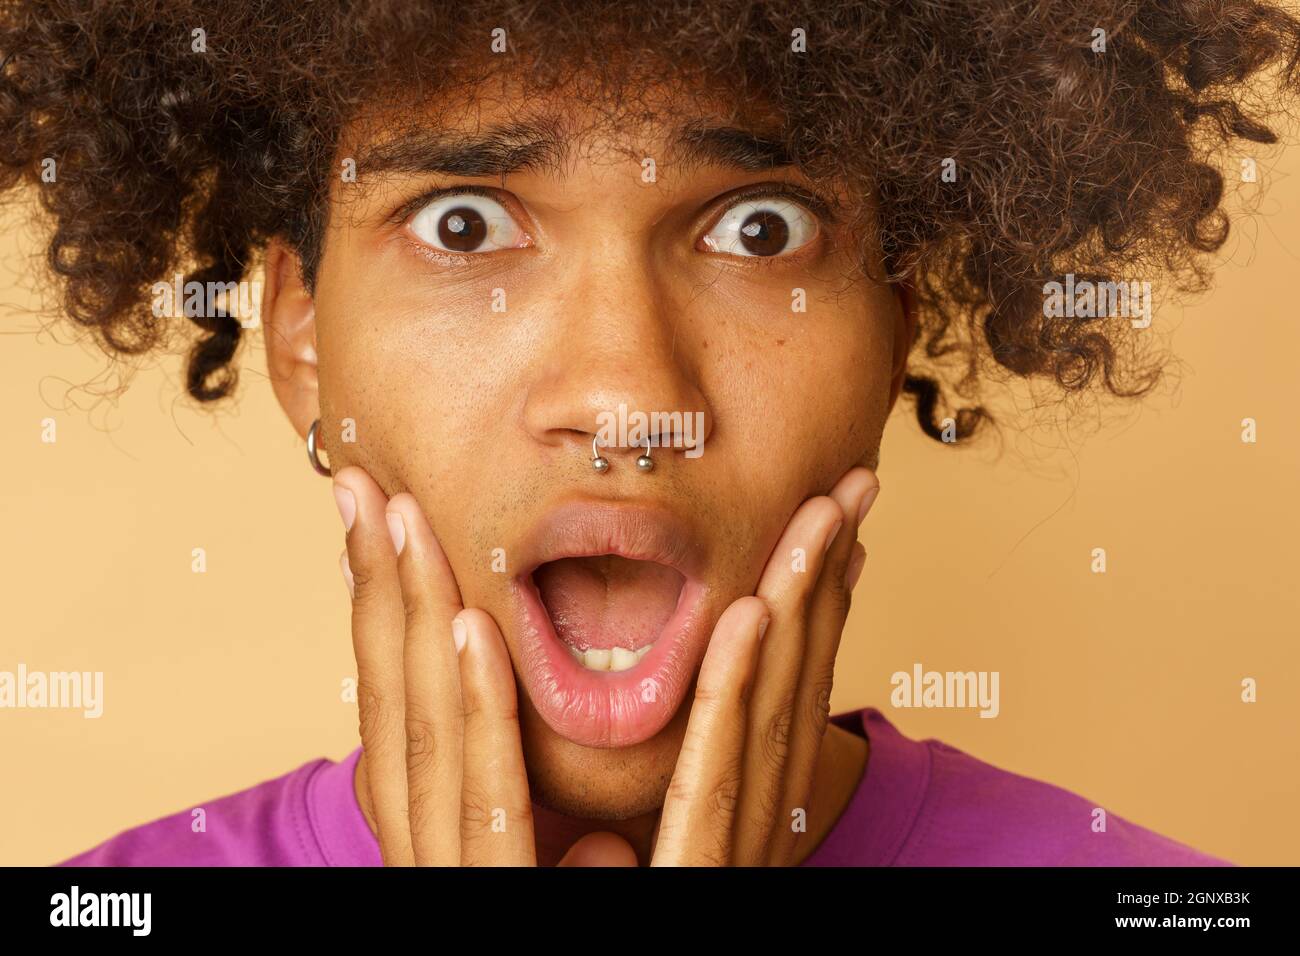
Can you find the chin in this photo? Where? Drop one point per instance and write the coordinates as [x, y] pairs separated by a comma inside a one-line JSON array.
[[598, 783]]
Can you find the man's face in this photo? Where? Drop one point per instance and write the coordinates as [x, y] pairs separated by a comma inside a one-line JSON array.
[[477, 335]]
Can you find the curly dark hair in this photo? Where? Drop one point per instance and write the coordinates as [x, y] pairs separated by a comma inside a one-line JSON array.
[[1069, 154]]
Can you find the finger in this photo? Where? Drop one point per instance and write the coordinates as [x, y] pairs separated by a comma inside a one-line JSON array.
[[856, 563], [695, 825], [434, 716], [497, 818], [855, 493], [786, 587], [377, 642], [600, 849]]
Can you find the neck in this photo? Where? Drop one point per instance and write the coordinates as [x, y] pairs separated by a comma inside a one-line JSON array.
[[841, 762]]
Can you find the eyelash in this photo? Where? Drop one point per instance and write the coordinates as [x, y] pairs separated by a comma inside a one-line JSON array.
[[409, 208], [815, 203]]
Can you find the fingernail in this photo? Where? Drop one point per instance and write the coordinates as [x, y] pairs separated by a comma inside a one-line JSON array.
[[346, 567], [459, 634], [856, 564], [396, 530], [762, 627], [830, 538], [867, 501], [347, 503]]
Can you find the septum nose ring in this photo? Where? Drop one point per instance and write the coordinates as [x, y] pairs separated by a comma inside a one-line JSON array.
[[600, 463]]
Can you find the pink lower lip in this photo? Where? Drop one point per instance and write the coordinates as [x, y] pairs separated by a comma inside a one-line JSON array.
[[610, 708]]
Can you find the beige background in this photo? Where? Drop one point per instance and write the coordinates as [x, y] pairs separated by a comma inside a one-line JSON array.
[[1124, 687]]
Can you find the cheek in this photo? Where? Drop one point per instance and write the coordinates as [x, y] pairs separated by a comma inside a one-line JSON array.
[[815, 395], [815, 390], [404, 405], [421, 395], [417, 358]]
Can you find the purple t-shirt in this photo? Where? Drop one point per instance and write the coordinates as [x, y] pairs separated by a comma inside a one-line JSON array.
[[920, 803]]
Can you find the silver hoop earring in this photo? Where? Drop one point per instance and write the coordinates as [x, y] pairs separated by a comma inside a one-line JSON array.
[[600, 463], [644, 462], [312, 455]]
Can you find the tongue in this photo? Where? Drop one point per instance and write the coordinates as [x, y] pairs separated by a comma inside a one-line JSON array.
[[608, 601]]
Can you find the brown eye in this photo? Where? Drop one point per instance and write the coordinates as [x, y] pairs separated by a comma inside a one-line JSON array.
[[762, 228], [462, 229], [467, 222], [764, 233]]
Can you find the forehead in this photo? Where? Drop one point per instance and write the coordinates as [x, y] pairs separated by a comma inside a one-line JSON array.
[[498, 126]]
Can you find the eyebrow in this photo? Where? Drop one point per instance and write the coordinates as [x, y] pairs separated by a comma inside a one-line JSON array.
[[510, 148], [750, 151], [540, 146]]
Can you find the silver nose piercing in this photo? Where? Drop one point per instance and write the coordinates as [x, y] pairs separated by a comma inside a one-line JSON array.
[[599, 462], [644, 462]]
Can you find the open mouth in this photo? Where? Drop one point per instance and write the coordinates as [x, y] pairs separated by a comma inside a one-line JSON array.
[[608, 610]]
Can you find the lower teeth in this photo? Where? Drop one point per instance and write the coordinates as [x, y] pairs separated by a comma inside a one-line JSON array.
[[609, 658]]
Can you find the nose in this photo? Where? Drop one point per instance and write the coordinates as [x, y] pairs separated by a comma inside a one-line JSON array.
[[615, 367]]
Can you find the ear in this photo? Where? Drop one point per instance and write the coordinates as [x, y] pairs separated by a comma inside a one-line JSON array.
[[289, 314], [904, 333]]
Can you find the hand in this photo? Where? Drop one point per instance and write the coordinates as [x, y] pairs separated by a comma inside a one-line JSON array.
[[439, 717], [435, 694], [762, 699]]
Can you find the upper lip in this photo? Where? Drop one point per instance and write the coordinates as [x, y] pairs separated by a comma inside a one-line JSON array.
[[638, 531]]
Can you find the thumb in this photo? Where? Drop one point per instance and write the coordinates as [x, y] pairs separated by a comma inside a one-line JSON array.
[[600, 849]]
